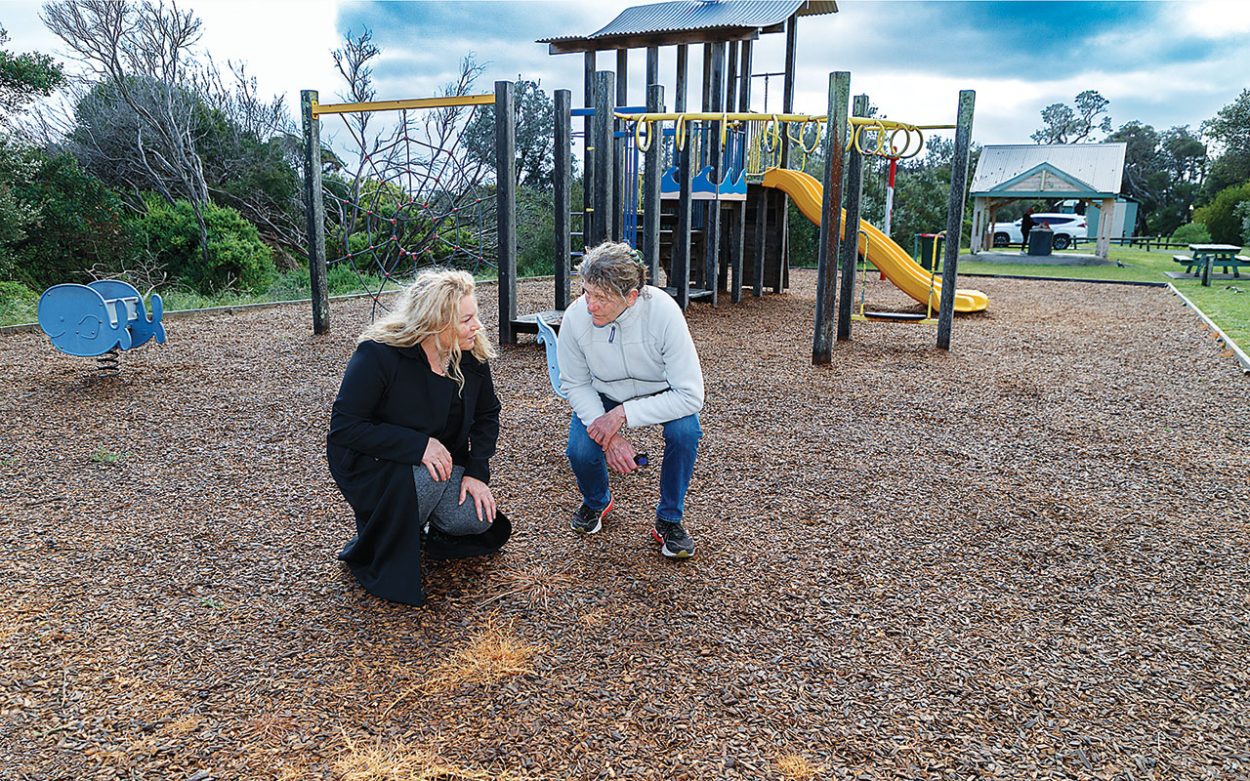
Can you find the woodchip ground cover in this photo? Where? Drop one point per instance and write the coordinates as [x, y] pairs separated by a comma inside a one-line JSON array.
[[1024, 558]]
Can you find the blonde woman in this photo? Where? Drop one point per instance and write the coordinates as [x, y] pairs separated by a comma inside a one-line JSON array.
[[411, 435]]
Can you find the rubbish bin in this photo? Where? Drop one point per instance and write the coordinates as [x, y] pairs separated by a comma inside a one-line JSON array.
[[924, 251], [1040, 240]]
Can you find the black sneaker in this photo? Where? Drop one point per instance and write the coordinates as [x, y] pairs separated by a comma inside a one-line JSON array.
[[588, 521], [674, 542]]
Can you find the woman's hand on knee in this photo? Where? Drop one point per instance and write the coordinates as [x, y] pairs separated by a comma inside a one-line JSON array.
[[437, 460], [483, 499]]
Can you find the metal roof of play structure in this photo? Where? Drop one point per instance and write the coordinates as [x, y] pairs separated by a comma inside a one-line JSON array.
[[1049, 171], [690, 21]]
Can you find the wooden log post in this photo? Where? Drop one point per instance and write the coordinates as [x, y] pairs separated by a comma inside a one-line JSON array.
[[605, 181], [651, 187], [955, 215], [618, 147], [314, 208], [715, 153], [589, 163], [562, 179], [848, 250], [505, 205], [679, 268], [831, 216]]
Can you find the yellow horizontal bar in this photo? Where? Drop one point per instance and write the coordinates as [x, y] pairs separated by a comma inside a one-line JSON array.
[[396, 105], [726, 117], [889, 124]]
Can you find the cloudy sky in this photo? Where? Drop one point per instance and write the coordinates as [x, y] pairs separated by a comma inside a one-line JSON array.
[[1163, 63]]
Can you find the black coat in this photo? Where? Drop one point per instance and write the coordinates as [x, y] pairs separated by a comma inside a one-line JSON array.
[[388, 407]]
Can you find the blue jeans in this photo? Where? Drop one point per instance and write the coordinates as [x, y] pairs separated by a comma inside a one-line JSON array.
[[681, 448]]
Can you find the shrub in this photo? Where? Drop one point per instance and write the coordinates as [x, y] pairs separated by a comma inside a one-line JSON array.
[[237, 258], [18, 303], [1192, 233], [1220, 215]]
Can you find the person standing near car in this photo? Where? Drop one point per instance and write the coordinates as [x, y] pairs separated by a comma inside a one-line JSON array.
[[1026, 225]]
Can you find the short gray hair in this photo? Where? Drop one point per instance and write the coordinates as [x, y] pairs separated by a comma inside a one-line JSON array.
[[615, 267]]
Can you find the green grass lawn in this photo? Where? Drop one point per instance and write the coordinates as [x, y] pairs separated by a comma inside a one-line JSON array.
[[1226, 302]]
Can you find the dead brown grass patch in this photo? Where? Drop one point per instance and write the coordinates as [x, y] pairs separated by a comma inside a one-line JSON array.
[[492, 654], [398, 761], [798, 767]]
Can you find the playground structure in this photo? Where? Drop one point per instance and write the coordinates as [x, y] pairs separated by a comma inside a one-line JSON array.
[[99, 319], [416, 199], [704, 196], [711, 189]]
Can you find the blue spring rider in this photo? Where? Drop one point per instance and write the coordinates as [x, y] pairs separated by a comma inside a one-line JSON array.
[[99, 318]]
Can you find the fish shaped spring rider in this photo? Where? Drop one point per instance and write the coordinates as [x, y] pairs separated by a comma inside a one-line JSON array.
[[98, 319]]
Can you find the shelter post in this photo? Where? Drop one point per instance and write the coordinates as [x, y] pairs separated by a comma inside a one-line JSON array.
[[848, 250]]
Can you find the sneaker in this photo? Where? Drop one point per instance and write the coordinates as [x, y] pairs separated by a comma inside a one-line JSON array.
[[588, 521], [674, 542]]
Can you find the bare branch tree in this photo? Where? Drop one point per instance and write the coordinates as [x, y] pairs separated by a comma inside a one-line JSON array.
[[144, 52]]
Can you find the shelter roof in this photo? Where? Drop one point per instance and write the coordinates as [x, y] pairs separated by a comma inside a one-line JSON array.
[[1051, 170], [690, 21]]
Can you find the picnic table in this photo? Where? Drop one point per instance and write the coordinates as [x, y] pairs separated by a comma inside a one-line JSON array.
[[1206, 256]]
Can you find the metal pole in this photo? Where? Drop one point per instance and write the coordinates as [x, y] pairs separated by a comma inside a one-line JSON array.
[[505, 205], [314, 208], [955, 215], [562, 178], [848, 250], [831, 215], [651, 187]]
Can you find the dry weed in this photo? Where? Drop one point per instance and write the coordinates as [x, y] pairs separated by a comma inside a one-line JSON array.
[[492, 654], [798, 767]]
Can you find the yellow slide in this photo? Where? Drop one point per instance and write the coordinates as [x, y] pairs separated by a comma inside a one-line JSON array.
[[891, 259]]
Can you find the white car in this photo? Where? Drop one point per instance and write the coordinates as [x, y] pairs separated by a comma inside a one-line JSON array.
[[1066, 227]]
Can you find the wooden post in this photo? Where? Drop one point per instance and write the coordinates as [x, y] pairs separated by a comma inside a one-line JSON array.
[[618, 147], [744, 87], [787, 106], [683, 61], [955, 215], [711, 223], [605, 181], [505, 205], [651, 187], [588, 152], [679, 267], [831, 215], [761, 240], [562, 178], [314, 208], [848, 250], [731, 79], [653, 66]]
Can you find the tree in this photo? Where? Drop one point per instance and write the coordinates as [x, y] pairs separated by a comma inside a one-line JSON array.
[[144, 52], [25, 76], [402, 194], [79, 225], [535, 136], [1229, 130], [1062, 124]]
